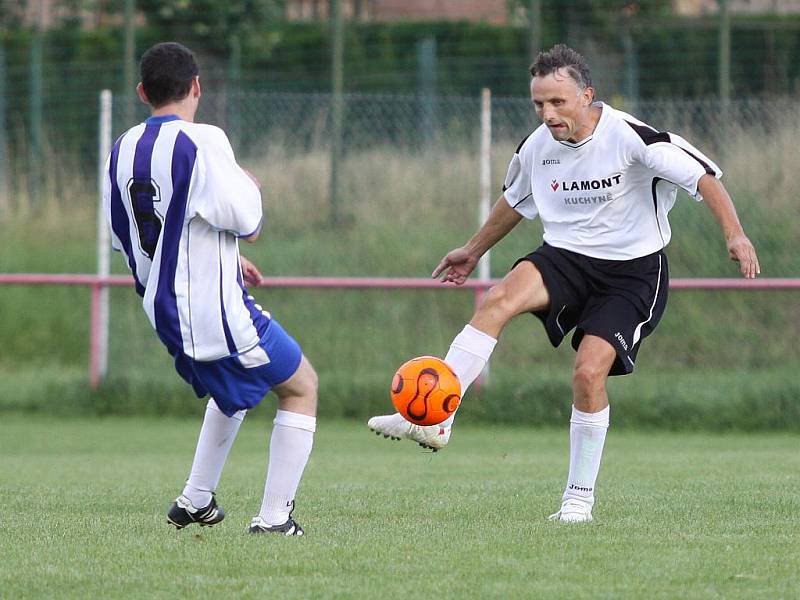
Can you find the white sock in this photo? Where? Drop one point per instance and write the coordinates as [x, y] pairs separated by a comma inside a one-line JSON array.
[[587, 434], [467, 356], [289, 448], [215, 441]]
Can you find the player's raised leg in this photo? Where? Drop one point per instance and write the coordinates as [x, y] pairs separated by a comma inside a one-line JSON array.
[[290, 447], [522, 290], [588, 426], [196, 504]]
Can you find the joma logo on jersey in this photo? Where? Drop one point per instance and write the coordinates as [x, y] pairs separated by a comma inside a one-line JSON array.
[[587, 184], [550, 161]]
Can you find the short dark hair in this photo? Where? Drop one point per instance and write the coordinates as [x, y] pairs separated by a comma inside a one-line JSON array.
[[167, 72], [562, 56]]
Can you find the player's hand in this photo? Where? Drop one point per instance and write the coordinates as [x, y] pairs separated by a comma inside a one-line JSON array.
[[456, 266], [742, 251], [252, 276]]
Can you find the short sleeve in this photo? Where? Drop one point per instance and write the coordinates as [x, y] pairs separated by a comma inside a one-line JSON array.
[[681, 163], [226, 197], [517, 189]]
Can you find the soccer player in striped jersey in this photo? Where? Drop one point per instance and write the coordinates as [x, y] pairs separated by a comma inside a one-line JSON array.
[[602, 183], [178, 203]]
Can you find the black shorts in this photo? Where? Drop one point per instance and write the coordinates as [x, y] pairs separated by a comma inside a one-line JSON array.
[[620, 301]]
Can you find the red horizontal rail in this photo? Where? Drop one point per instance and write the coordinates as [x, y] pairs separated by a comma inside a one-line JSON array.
[[98, 283], [389, 282]]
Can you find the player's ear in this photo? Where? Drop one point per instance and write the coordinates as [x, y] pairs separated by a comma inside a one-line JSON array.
[[196, 90], [141, 93], [588, 95]]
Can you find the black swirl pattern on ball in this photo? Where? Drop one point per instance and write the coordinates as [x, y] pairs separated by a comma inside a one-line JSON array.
[[426, 383], [450, 403]]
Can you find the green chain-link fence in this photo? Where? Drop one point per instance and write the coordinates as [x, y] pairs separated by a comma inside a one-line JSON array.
[[408, 174]]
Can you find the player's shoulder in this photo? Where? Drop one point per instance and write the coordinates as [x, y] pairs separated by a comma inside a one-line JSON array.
[[203, 133], [633, 129], [134, 133], [529, 144]]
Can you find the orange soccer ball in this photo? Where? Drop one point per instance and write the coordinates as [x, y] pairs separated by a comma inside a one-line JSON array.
[[426, 391]]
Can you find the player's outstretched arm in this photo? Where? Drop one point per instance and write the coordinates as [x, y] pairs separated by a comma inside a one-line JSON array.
[[457, 264], [740, 248], [250, 273]]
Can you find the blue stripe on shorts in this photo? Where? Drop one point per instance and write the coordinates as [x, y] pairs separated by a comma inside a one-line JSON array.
[[234, 387]]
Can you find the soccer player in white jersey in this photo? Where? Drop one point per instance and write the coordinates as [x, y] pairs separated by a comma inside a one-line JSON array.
[[178, 203], [602, 183]]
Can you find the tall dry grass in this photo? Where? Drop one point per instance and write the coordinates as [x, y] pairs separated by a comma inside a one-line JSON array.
[[435, 190]]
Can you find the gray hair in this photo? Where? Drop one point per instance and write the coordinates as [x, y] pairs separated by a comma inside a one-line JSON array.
[[562, 56]]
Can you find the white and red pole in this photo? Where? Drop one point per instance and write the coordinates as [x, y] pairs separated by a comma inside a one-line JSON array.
[[484, 265], [98, 338]]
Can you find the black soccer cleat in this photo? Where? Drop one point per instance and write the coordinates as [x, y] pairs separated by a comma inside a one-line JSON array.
[[183, 513], [291, 527]]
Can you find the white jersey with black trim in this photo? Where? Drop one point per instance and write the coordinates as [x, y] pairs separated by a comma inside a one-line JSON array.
[[177, 202], [608, 195]]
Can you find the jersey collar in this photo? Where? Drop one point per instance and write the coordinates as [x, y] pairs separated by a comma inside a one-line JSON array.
[[597, 128], [162, 119]]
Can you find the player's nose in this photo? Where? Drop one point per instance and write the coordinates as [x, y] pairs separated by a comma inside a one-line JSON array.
[[548, 115]]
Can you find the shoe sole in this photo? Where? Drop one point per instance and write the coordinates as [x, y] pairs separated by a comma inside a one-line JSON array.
[[270, 532], [178, 526], [394, 438], [397, 439], [558, 519], [426, 447]]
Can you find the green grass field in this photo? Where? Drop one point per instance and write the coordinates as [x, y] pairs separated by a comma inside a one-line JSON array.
[[679, 515]]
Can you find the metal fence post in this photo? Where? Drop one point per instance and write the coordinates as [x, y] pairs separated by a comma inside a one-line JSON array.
[[129, 61], [94, 336], [426, 82], [485, 194], [724, 52], [35, 154], [631, 78], [535, 20], [337, 105], [724, 59], [5, 189], [98, 359], [233, 105], [484, 265]]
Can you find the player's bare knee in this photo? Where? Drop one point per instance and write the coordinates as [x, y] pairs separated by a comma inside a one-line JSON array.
[[311, 379], [307, 381], [302, 384], [498, 303], [588, 378]]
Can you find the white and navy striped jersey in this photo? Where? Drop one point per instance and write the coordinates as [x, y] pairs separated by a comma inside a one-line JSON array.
[[177, 202], [608, 195]]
